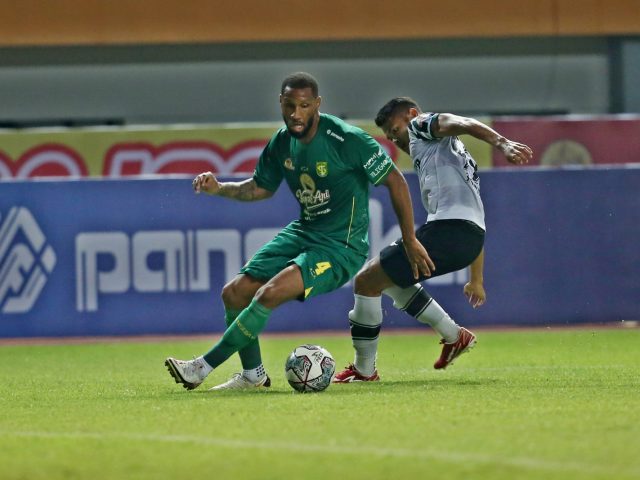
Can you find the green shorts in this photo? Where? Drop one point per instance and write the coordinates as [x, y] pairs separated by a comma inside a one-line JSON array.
[[325, 265]]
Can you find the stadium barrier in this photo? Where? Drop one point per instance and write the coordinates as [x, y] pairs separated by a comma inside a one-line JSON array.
[[122, 257], [119, 152]]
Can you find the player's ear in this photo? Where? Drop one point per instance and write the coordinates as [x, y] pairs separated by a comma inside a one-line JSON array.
[[318, 102], [413, 112]]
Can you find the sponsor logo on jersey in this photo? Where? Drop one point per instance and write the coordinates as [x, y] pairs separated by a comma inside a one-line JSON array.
[[322, 169], [288, 164], [307, 183], [381, 167], [311, 198], [334, 135], [25, 261], [374, 157]]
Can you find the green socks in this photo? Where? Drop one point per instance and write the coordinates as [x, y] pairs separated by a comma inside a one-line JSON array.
[[241, 333], [249, 355]]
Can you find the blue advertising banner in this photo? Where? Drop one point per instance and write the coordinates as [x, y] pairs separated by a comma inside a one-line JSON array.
[[122, 257]]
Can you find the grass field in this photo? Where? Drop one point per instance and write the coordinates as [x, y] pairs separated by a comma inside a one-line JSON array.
[[523, 405]]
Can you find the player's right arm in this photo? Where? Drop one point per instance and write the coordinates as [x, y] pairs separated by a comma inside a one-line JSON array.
[[246, 191], [265, 181]]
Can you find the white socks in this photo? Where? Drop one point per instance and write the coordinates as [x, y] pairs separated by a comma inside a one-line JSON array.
[[365, 319], [440, 321], [205, 368], [417, 303], [254, 375]]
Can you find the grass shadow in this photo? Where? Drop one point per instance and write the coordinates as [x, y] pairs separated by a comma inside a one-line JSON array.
[[383, 387]]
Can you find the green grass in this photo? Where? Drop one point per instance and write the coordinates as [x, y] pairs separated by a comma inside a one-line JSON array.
[[523, 405]]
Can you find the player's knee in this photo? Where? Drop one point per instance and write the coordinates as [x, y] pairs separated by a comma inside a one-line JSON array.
[[359, 282], [365, 281], [234, 296], [228, 293], [269, 295]]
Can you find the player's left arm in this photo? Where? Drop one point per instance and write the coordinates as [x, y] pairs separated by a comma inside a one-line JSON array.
[[449, 125], [474, 289], [421, 263]]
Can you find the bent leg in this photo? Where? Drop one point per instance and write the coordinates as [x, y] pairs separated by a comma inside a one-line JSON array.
[[238, 293], [452, 245], [365, 319], [285, 286], [372, 279], [252, 320], [236, 296], [415, 301]]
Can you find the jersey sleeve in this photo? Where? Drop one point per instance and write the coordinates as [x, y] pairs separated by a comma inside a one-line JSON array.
[[268, 173], [422, 126], [369, 155]]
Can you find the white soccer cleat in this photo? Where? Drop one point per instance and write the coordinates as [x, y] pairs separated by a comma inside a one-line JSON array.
[[190, 373], [240, 382]]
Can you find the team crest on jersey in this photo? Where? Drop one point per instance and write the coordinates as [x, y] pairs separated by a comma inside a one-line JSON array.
[[322, 169], [288, 164]]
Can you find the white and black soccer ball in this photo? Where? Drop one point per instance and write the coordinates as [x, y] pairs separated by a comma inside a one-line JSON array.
[[309, 368]]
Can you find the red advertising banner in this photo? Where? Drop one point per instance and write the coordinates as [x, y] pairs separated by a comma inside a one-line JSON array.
[[558, 141]]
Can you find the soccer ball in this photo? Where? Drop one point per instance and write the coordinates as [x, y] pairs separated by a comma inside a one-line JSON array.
[[309, 368]]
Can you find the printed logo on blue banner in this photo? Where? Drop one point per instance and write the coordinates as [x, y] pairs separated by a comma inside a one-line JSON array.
[[26, 261]]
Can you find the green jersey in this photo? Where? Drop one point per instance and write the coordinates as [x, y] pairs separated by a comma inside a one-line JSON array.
[[329, 177]]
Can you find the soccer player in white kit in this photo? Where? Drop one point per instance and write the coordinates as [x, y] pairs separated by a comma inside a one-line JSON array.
[[453, 235]]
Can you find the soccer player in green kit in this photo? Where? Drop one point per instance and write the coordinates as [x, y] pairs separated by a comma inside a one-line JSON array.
[[328, 166]]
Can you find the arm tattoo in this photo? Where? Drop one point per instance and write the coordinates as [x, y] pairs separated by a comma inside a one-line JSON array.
[[245, 191]]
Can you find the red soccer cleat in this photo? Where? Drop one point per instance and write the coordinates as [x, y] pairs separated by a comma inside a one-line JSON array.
[[450, 351], [350, 375]]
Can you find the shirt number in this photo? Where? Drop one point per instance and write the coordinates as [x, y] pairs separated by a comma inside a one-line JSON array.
[[322, 267]]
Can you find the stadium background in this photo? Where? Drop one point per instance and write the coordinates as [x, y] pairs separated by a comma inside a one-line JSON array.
[[124, 89]]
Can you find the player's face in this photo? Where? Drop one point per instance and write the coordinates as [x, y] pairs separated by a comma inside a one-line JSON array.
[[300, 112], [396, 129]]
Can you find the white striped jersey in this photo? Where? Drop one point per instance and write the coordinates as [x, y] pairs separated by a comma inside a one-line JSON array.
[[449, 182]]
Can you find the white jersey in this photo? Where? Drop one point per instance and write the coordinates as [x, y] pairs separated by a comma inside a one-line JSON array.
[[449, 182]]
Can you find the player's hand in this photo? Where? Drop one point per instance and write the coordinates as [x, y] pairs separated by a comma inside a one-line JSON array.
[[421, 263], [206, 182], [475, 293], [516, 153]]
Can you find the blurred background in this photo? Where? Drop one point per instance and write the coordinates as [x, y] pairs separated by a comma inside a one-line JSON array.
[[148, 93]]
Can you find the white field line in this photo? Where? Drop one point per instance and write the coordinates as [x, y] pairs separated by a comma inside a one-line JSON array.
[[525, 463]]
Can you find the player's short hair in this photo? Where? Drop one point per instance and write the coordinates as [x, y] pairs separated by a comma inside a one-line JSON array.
[[300, 80], [394, 106]]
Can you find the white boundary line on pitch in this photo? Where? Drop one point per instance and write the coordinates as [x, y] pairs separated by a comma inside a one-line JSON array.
[[451, 457]]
